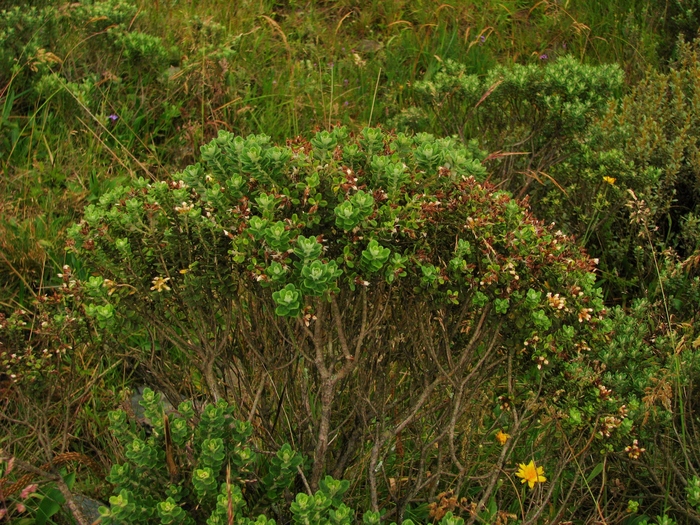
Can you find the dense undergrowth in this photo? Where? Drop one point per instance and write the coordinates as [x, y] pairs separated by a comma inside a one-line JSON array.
[[387, 261]]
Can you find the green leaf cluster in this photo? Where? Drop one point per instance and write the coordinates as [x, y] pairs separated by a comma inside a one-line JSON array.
[[187, 462]]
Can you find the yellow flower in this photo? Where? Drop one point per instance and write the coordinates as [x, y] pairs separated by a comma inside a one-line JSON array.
[[610, 180], [159, 284], [502, 437], [531, 473]]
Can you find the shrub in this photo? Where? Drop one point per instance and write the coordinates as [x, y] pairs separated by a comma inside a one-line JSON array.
[[542, 123], [634, 188], [658, 125], [187, 470], [367, 296], [534, 116], [560, 125], [52, 380], [194, 463]]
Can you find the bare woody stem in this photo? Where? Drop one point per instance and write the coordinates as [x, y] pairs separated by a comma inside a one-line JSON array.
[[329, 378]]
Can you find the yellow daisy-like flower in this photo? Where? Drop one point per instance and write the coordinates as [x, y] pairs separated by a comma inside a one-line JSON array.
[[531, 473], [610, 180], [502, 437]]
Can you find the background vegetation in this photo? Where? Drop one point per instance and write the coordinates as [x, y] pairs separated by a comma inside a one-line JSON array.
[[586, 113]]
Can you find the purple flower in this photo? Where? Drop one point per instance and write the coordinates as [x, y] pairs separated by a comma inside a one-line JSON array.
[[482, 38], [346, 103], [113, 117], [543, 56], [345, 81]]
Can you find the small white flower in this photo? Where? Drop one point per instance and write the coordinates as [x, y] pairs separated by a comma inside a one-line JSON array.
[[184, 207]]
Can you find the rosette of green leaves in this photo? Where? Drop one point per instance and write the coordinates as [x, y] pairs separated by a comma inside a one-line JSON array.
[[122, 509], [257, 226], [323, 143], [212, 454], [240, 431], [374, 257], [288, 301], [277, 236], [347, 215], [103, 314], [243, 458], [308, 249], [402, 144], [334, 489], [212, 422], [372, 141], [204, 482], [276, 272], [318, 277], [143, 454], [170, 513], [429, 155], [307, 510], [282, 471], [266, 204], [325, 506], [342, 515], [353, 156], [153, 408], [351, 212], [229, 499], [395, 176], [253, 156]]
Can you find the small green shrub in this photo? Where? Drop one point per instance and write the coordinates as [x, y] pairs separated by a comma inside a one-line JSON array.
[[634, 188], [654, 361], [36, 341], [379, 263], [192, 468], [657, 123], [534, 116]]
